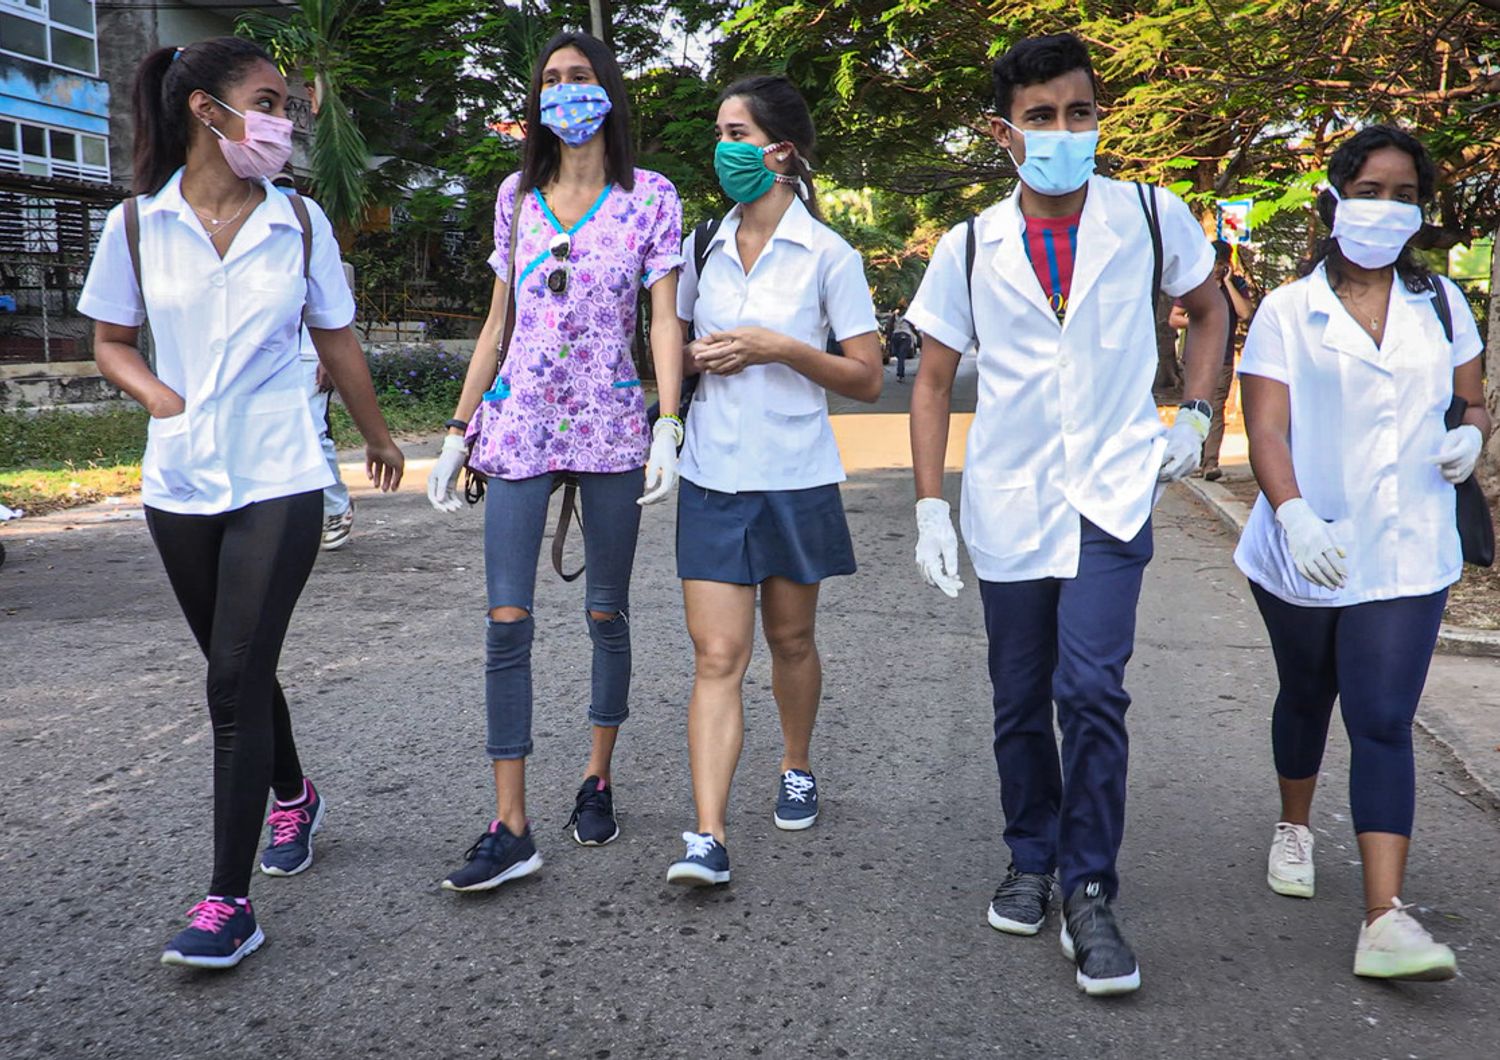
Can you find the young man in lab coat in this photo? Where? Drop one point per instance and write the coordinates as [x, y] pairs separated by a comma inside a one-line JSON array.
[[1064, 458]]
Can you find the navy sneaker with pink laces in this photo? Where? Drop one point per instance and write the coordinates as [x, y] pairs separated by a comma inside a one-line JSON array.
[[292, 828], [221, 932]]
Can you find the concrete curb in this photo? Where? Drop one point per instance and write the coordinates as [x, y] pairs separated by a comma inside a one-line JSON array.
[[1233, 513]]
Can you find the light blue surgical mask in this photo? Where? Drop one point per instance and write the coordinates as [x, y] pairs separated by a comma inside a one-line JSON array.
[[1057, 163]]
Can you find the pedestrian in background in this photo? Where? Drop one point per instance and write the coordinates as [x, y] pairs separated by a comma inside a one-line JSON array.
[[1064, 457], [759, 511], [233, 475], [1352, 544], [1239, 301], [578, 231], [338, 506]]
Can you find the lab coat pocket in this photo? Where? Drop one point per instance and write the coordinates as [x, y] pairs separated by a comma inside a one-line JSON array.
[[1000, 515], [791, 394], [271, 437], [1119, 303], [795, 434], [169, 457], [1300, 588]]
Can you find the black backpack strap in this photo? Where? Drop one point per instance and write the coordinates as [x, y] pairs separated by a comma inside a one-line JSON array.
[[568, 515], [1153, 222], [971, 251], [305, 220], [702, 237], [133, 239], [1440, 305]]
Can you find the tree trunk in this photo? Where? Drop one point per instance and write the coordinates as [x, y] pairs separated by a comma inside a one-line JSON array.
[[1491, 463]]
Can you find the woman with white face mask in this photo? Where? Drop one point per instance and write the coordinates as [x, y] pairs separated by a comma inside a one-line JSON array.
[[1347, 376], [229, 271]]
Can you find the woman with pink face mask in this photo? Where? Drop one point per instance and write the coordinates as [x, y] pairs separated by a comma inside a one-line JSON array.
[[228, 271]]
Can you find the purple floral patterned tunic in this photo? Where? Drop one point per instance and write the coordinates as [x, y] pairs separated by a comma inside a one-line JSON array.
[[571, 398]]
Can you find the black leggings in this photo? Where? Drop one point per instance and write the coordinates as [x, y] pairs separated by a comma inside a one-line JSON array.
[[237, 576]]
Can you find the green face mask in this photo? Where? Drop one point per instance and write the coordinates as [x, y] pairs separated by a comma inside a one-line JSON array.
[[742, 170]]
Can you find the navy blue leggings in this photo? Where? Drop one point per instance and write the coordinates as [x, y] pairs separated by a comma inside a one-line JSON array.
[[515, 517], [1373, 658]]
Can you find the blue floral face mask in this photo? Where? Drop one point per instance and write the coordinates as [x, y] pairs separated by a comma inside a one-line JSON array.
[[575, 112]]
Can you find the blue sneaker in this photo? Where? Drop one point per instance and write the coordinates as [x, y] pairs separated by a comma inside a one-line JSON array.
[[797, 802], [291, 847], [705, 864], [221, 933], [593, 821], [497, 858]]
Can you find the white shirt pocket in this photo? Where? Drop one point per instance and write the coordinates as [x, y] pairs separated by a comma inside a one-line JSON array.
[[1300, 588], [166, 471], [1000, 514], [269, 437]]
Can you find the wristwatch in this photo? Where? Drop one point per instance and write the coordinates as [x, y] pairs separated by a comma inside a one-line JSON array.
[[457, 425], [1201, 406]]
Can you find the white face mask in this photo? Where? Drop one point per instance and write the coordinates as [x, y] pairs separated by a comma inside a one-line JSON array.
[[1373, 232]]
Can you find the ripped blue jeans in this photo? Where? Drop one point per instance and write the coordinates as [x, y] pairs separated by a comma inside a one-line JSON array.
[[515, 518]]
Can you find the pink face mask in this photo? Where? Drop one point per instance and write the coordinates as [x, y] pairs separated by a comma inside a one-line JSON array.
[[264, 151]]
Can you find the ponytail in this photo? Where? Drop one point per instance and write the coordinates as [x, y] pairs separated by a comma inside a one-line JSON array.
[[163, 82]]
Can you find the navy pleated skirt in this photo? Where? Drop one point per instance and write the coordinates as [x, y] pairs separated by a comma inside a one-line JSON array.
[[745, 538]]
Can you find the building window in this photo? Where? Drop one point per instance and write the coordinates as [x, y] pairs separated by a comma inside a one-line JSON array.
[[43, 151], [56, 32]]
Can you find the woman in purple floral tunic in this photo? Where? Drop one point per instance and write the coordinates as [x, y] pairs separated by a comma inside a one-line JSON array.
[[589, 229]]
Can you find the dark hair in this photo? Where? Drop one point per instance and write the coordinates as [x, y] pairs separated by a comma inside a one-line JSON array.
[[1343, 168], [543, 151], [781, 112], [1222, 251], [163, 82], [1035, 60]]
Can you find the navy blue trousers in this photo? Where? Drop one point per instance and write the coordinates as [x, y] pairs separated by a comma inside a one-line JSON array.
[[1373, 658], [1066, 640]]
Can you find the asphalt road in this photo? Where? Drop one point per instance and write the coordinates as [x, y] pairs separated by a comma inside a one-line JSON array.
[[863, 937]]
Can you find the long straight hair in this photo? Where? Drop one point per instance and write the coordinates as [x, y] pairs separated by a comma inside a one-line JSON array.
[[1343, 167], [542, 154], [781, 112], [163, 82]]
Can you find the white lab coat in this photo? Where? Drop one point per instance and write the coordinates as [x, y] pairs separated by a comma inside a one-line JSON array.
[[767, 427], [1066, 425], [1365, 425], [226, 339]]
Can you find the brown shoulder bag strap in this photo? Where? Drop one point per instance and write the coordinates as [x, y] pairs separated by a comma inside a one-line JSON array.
[[133, 242], [305, 220]]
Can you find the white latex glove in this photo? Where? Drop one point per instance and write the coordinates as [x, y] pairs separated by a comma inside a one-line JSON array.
[[442, 483], [1184, 445], [937, 545], [1460, 452], [1317, 555], [661, 465]]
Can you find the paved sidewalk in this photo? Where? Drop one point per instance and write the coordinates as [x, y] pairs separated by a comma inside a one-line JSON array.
[[863, 937]]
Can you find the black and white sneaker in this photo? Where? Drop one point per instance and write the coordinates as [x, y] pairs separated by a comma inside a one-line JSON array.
[[593, 822], [1092, 941], [1020, 903]]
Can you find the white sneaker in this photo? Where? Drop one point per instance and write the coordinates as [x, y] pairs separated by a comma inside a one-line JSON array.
[[1397, 947], [336, 529], [1290, 867]]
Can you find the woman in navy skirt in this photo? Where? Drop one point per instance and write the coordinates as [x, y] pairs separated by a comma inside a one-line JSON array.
[[759, 503]]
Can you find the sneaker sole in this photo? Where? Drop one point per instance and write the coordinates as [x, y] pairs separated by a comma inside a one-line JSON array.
[[1109, 987], [596, 842], [794, 824], [249, 946], [272, 870], [1013, 927], [1290, 888], [1407, 972], [334, 546], [689, 875], [515, 872]]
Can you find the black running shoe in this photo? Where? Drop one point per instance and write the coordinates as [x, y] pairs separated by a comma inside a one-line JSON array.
[[497, 858], [593, 821], [1020, 903], [1092, 941]]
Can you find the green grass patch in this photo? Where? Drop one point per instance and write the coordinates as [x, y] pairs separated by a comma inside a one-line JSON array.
[[404, 414], [58, 439], [37, 492]]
